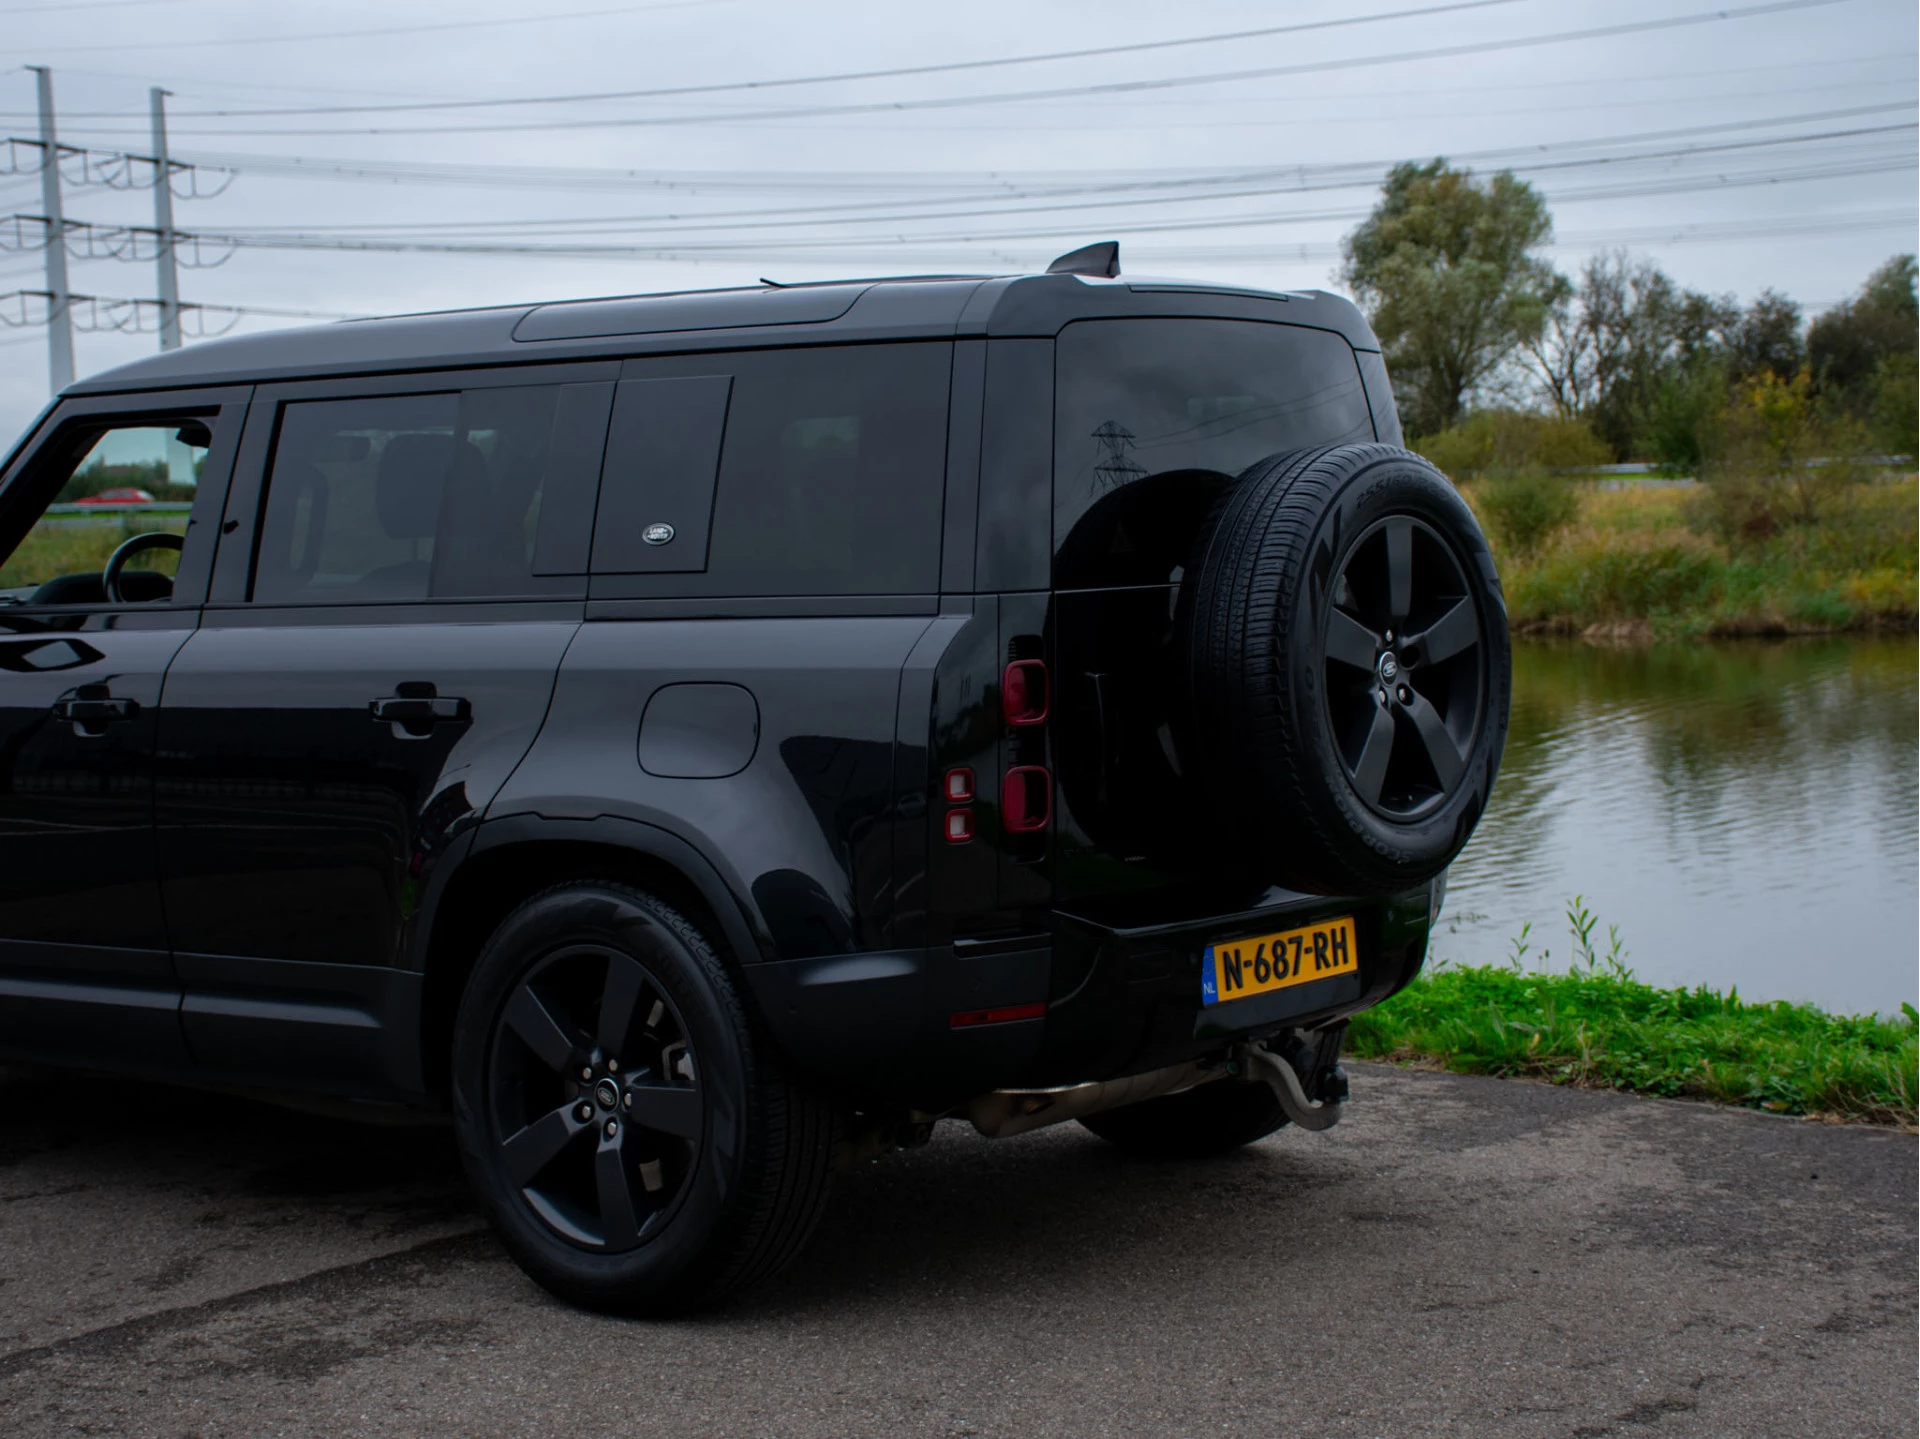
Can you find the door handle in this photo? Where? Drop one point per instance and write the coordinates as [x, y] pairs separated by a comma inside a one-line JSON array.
[[90, 709], [417, 714]]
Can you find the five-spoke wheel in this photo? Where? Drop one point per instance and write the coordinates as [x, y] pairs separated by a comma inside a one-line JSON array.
[[596, 1096], [1403, 655], [637, 1142]]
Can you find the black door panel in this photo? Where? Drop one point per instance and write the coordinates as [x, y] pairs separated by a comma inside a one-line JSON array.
[[311, 772], [84, 972]]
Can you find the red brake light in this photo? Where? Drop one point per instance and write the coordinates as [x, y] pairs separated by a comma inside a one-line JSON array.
[[1005, 1014], [1023, 692], [1026, 799], [959, 786], [959, 826]]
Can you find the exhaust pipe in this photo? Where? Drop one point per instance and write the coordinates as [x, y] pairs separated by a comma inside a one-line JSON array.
[[1006, 1112]]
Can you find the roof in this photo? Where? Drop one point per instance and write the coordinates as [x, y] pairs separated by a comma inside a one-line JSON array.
[[932, 307]]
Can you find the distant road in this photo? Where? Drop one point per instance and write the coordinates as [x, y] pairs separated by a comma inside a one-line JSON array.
[[1462, 1256]]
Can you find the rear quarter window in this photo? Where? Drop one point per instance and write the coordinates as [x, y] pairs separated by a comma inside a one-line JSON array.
[[1154, 417], [829, 479]]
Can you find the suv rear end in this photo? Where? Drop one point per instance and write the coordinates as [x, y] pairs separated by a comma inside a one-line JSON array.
[[1058, 871]]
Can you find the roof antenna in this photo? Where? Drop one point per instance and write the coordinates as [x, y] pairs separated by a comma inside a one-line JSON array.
[[772, 284], [1097, 259]]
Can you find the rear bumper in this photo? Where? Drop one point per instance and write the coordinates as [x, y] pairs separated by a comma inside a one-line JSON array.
[[1118, 1001]]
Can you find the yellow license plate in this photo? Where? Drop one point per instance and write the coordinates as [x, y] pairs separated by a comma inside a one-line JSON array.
[[1240, 967]]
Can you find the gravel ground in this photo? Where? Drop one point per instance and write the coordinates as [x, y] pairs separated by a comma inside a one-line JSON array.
[[1461, 1256]]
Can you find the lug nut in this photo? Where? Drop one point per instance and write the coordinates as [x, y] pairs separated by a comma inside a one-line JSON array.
[[626, 1101], [586, 1074], [1406, 695], [613, 1066], [613, 1127], [583, 1113]]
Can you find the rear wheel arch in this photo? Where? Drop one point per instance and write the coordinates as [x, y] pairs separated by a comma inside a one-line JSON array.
[[515, 858]]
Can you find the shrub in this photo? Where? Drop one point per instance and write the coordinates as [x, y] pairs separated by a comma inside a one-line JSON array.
[[1618, 577], [1896, 405], [1497, 441], [1776, 462], [1526, 508]]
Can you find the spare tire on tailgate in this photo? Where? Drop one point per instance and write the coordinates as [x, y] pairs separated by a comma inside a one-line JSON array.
[[1346, 668]]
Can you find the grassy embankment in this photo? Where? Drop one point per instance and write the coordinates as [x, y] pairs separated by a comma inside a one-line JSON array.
[[1642, 564], [51, 550], [1598, 1027]]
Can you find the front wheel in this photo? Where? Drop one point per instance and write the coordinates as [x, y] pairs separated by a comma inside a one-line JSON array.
[[635, 1141]]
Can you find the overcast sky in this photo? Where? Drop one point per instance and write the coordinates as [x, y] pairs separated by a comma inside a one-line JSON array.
[[1763, 149]]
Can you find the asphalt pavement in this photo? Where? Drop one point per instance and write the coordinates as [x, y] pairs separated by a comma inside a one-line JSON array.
[[1460, 1256]]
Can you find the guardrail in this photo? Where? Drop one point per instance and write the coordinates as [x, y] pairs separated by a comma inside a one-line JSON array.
[[116, 507]]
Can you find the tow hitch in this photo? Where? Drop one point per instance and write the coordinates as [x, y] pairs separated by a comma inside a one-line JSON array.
[[1305, 1074]]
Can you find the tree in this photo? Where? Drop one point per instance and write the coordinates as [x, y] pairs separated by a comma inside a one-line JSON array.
[[1847, 345], [1622, 345], [1767, 339], [1444, 267]]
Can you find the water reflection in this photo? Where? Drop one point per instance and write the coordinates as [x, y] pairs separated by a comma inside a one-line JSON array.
[[1744, 812]]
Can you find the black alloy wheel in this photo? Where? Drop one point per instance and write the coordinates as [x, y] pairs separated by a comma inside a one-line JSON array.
[[1403, 662], [595, 1092], [625, 1120]]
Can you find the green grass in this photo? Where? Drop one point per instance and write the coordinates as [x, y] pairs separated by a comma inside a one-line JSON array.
[[1600, 1028], [50, 550], [1635, 564]]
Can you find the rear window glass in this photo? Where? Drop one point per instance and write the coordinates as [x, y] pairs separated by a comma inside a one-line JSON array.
[[1139, 399], [832, 471]]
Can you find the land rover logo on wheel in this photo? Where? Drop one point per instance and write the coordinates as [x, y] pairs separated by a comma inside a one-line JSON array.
[[1389, 667], [657, 534]]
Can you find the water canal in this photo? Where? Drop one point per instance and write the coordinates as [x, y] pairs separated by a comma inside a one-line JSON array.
[[1745, 813]]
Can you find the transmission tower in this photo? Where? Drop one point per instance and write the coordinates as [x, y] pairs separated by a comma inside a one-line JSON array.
[[114, 170]]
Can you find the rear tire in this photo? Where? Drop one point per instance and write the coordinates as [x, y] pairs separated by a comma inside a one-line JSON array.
[[630, 1131], [1211, 1119]]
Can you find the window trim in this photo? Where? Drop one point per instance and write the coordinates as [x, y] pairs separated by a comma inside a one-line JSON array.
[[228, 406]]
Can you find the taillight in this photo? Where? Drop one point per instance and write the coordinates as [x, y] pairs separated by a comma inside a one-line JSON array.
[[1026, 799], [959, 826], [959, 786], [1002, 1014], [1023, 692]]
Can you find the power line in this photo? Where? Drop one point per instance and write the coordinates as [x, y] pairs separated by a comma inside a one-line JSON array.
[[686, 245], [103, 313], [898, 72], [1162, 189], [1271, 72], [1611, 83], [946, 183], [206, 41]]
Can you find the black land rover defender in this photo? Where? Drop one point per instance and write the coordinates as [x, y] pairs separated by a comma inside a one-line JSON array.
[[701, 739]]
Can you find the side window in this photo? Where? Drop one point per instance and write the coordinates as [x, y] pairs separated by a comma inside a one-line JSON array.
[[106, 485], [823, 469], [463, 495], [833, 471]]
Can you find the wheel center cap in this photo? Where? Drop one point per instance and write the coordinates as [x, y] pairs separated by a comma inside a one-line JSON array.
[[607, 1093], [1389, 668]]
